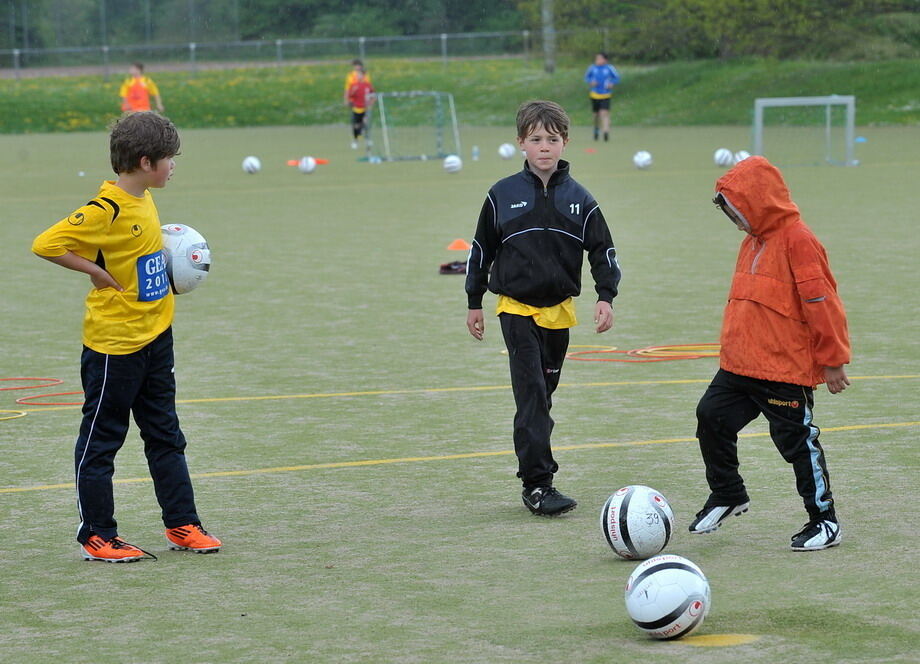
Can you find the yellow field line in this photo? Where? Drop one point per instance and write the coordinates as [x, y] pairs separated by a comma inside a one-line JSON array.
[[437, 390], [443, 457]]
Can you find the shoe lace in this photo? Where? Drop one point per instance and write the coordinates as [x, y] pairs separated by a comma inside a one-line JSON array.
[[118, 543], [813, 524]]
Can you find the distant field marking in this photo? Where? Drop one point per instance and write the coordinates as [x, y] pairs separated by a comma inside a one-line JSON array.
[[443, 457], [441, 390], [384, 184]]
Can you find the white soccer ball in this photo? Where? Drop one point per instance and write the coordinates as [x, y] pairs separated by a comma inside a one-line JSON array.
[[741, 155], [306, 165], [188, 257], [252, 165], [667, 597], [642, 159], [723, 157], [452, 163], [637, 522], [506, 151]]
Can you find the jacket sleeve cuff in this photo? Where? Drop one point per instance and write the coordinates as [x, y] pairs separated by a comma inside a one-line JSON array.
[[606, 295], [474, 301]]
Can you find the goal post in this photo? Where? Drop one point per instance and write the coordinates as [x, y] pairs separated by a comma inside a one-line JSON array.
[[831, 136], [415, 125]]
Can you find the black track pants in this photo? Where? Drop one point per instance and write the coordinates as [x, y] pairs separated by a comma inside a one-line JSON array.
[[535, 355], [115, 386], [733, 401]]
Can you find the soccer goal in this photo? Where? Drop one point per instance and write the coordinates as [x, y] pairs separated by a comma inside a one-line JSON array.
[[415, 125], [803, 130]]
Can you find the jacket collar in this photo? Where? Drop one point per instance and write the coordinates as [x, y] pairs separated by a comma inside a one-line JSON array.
[[560, 176]]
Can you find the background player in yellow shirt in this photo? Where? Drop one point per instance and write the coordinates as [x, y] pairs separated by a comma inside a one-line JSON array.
[[127, 361], [137, 89]]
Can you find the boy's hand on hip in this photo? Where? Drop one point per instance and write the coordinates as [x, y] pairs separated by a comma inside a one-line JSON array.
[[836, 379], [102, 279], [603, 316], [475, 323]]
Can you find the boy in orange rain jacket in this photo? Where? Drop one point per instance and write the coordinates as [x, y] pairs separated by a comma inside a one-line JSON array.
[[784, 331]]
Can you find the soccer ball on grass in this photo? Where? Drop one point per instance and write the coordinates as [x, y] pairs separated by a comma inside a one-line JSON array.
[[306, 165], [507, 151], [252, 165], [667, 597], [637, 522], [452, 163], [723, 157], [642, 159]]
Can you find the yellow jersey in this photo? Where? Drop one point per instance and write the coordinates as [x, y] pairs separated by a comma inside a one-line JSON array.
[[135, 93], [121, 233], [351, 78], [557, 317]]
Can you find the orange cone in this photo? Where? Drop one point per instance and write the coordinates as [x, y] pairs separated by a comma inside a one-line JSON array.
[[459, 245], [294, 162]]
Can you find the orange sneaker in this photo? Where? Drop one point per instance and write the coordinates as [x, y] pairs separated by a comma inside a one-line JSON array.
[[192, 538], [114, 550]]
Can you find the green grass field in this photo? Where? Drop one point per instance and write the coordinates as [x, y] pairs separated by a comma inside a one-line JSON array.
[[352, 443], [700, 93]]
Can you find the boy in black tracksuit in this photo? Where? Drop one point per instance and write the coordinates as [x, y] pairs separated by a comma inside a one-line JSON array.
[[533, 230]]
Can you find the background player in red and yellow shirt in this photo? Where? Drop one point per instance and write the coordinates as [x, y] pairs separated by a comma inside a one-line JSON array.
[[137, 90], [360, 97]]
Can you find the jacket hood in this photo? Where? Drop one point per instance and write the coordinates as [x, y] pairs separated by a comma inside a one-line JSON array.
[[756, 191]]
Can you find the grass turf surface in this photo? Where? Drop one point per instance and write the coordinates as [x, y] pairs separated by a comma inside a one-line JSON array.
[[328, 284]]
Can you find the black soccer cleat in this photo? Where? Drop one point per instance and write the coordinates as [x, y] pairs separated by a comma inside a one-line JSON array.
[[454, 267], [711, 517], [817, 534], [546, 501]]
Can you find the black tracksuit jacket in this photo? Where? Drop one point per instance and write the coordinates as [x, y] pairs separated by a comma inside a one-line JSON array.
[[534, 238]]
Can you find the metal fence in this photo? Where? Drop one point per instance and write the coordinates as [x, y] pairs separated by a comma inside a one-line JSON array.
[[190, 56]]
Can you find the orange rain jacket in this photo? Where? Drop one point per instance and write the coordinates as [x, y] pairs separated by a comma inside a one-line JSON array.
[[784, 321]]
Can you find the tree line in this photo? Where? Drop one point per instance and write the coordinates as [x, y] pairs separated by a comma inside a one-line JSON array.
[[637, 31]]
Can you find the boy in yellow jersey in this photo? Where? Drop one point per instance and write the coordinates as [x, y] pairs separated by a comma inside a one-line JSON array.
[[127, 361], [137, 89], [533, 231]]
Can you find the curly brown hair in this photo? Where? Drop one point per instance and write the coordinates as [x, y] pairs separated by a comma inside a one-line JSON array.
[[141, 134]]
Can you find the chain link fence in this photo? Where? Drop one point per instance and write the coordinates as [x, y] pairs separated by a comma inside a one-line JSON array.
[[190, 56]]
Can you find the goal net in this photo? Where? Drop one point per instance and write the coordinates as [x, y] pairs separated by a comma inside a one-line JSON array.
[[805, 130], [415, 125]]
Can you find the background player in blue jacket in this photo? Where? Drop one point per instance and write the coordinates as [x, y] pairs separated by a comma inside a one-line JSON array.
[[601, 77]]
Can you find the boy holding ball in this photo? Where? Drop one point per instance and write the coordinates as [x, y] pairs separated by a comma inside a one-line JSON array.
[[127, 361]]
